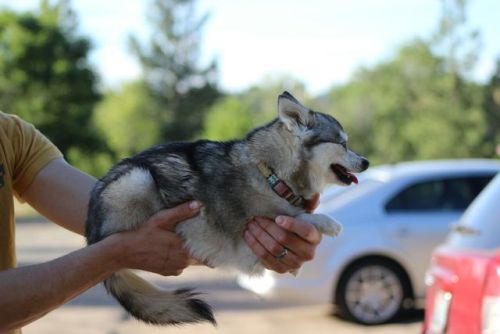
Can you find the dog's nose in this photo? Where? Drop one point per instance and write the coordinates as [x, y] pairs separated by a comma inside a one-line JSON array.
[[365, 163]]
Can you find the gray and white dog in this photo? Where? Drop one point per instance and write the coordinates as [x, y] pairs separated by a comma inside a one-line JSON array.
[[273, 171]]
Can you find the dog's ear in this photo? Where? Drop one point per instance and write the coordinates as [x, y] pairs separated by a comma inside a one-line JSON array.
[[291, 112]]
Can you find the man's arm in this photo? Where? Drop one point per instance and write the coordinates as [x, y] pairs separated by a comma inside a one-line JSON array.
[[32, 291], [61, 193]]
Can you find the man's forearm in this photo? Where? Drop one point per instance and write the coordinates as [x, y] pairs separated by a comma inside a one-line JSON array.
[[27, 293]]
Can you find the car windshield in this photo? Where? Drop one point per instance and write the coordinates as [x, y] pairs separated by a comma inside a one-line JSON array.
[[479, 227]]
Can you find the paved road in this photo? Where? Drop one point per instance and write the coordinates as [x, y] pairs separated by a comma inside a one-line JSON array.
[[237, 310]]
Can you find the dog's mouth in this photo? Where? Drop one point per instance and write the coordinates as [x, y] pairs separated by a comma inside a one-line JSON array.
[[343, 175]]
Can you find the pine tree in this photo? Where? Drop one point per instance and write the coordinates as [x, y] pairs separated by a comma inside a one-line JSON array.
[[45, 76], [170, 64]]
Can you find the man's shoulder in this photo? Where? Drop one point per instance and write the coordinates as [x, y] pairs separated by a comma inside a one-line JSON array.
[[10, 123]]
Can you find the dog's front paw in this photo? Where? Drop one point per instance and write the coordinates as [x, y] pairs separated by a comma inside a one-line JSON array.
[[325, 224], [332, 228]]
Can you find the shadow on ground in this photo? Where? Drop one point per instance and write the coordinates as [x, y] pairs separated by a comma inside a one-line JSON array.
[[408, 317]]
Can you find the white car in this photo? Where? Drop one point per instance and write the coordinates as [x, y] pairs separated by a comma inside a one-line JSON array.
[[392, 221]]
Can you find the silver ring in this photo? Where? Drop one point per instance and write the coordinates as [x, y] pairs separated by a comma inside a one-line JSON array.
[[282, 254]]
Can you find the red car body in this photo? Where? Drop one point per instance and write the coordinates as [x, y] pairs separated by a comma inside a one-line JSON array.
[[463, 295], [471, 278]]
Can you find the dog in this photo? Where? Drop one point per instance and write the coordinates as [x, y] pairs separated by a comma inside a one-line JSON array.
[[274, 171]]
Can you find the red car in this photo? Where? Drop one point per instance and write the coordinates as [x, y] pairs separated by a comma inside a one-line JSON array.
[[463, 281]]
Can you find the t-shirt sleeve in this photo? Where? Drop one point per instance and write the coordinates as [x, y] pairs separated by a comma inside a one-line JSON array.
[[32, 151]]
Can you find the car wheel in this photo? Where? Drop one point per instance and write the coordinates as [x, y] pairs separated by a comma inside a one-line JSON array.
[[372, 292]]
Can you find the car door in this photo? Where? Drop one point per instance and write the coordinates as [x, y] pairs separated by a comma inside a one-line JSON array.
[[418, 216]]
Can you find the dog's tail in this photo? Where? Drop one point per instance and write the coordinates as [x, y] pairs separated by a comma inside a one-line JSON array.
[[149, 304]]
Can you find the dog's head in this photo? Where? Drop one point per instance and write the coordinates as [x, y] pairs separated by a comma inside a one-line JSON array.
[[323, 143]]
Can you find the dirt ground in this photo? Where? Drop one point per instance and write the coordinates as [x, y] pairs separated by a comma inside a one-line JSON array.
[[236, 310]]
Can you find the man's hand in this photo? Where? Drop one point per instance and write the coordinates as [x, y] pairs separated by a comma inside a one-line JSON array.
[[285, 244], [268, 239], [155, 246]]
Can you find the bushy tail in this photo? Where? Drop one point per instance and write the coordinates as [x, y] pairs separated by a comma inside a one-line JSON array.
[[149, 304]]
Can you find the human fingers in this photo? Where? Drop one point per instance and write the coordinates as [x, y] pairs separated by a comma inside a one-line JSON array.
[[266, 258], [173, 254], [169, 218], [151, 249], [303, 229], [303, 249], [275, 248]]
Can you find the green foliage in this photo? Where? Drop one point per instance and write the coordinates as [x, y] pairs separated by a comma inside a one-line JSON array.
[[170, 62], [95, 163], [454, 39], [228, 119], [411, 108], [235, 115], [128, 119], [420, 104], [45, 77], [491, 106]]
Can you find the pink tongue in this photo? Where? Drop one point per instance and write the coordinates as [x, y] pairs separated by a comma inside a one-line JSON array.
[[353, 178]]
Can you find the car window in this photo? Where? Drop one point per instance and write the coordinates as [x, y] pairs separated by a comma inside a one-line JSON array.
[[450, 194], [479, 227]]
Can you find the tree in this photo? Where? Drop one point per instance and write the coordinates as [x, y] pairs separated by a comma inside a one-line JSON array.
[[454, 40], [170, 62], [45, 76], [420, 104], [491, 106], [127, 119], [408, 109], [234, 116], [228, 119]]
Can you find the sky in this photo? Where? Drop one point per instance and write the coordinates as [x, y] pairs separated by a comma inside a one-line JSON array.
[[318, 42]]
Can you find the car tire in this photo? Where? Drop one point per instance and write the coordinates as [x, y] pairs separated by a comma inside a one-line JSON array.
[[372, 292]]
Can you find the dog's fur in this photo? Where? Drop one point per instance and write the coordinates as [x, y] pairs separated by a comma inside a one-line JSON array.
[[302, 147]]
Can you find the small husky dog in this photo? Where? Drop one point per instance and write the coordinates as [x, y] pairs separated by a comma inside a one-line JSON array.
[[273, 171]]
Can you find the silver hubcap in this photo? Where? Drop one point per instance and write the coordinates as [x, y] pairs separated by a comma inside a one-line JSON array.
[[374, 294]]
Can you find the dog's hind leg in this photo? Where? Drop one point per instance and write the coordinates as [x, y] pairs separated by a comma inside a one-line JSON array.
[[129, 201]]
